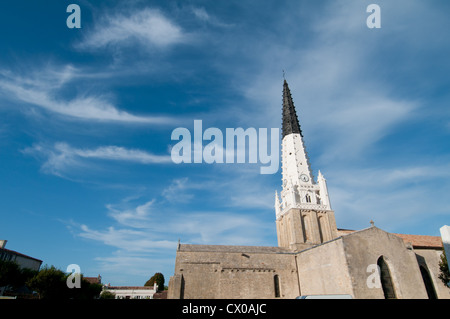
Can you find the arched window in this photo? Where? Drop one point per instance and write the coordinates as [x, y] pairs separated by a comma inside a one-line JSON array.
[[386, 279], [320, 229], [276, 282], [323, 229], [308, 198], [305, 228], [428, 283]]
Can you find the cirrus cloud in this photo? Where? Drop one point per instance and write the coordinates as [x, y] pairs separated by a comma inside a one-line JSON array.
[[148, 27], [62, 157]]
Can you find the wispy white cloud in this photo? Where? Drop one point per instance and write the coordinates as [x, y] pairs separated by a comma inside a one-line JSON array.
[[176, 191], [42, 87], [149, 28], [239, 187], [62, 157], [202, 15], [126, 239], [116, 153], [132, 217], [157, 229]]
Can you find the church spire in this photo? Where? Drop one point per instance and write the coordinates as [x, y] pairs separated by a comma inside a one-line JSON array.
[[290, 120], [303, 211]]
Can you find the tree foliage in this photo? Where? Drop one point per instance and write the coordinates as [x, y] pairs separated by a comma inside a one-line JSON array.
[[48, 282], [107, 295], [51, 283], [444, 273], [9, 273], [12, 276], [158, 278], [86, 291]]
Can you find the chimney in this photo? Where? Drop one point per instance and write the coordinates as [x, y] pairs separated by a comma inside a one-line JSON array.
[[3, 243]]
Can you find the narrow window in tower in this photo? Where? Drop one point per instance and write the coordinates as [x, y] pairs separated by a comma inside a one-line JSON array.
[[325, 234], [308, 198], [276, 281], [320, 229], [305, 228]]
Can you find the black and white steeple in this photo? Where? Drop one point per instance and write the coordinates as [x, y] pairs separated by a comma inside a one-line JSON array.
[[299, 189]]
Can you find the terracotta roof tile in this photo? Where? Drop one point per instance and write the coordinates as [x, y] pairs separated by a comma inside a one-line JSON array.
[[93, 280], [422, 241]]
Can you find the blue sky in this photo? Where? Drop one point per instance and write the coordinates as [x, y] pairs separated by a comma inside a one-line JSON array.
[[86, 117]]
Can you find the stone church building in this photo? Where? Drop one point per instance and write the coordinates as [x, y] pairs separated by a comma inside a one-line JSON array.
[[313, 256]]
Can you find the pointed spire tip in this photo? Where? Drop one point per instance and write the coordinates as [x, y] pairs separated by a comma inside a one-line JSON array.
[[290, 119]]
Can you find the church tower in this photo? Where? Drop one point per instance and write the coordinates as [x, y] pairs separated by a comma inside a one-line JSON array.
[[303, 211]]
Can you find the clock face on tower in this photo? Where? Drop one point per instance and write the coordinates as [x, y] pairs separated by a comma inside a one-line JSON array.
[[304, 178]]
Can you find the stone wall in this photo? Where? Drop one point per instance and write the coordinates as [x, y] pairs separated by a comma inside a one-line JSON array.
[[324, 270], [364, 248], [429, 259], [224, 272]]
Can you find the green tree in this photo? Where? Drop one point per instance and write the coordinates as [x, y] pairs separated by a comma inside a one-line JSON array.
[[444, 274], [86, 290], [107, 295], [12, 276], [9, 273], [49, 283], [93, 291], [158, 278], [26, 274]]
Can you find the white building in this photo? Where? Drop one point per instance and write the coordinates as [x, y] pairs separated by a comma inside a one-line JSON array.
[[22, 260], [445, 234], [132, 292]]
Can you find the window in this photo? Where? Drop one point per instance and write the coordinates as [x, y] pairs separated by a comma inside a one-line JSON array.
[[308, 198], [305, 228], [386, 280], [428, 283], [276, 281], [320, 229]]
